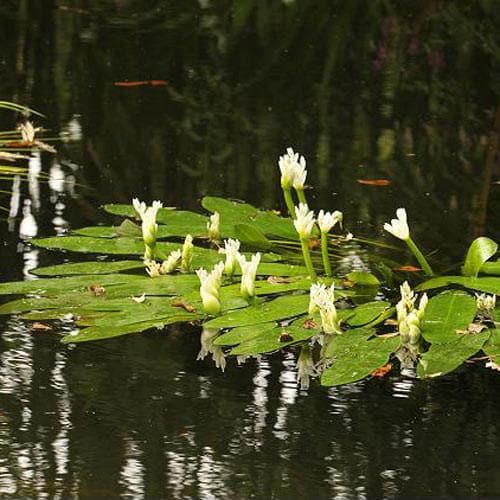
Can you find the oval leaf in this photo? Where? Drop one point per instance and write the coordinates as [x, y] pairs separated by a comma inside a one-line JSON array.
[[445, 314], [480, 250], [355, 357], [444, 358]]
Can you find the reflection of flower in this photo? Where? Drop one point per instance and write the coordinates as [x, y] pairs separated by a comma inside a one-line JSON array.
[[207, 338], [248, 273], [209, 287], [304, 221], [327, 220], [305, 367], [399, 227], [231, 250], [214, 227]]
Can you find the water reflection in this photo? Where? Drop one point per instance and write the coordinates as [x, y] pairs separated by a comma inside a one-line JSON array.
[[71, 426], [139, 417]]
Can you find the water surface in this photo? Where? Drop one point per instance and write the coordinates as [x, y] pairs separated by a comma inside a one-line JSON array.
[[374, 90]]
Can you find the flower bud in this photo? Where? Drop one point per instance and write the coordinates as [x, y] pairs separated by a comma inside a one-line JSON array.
[[187, 254]]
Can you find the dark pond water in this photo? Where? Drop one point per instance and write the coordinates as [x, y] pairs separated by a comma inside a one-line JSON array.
[[365, 90]]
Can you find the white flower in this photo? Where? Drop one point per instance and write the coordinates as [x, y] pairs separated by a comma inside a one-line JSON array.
[[485, 302], [319, 294], [171, 263], [140, 207], [409, 322], [27, 131], [149, 226], [187, 254], [207, 338], [287, 164], [305, 367], [323, 299], [299, 178], [293, 170], [422, 305], [407, 296], [326, 220], [304, 221], [329, 320], [248, 273], [399, 227], [209, 288], [406, 305], [153, 268], [214, 227], [231, 250]]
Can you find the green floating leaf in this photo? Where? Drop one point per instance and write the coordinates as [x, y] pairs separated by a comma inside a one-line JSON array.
[[89, 267], [64, 285], [83, 244], [480, 250], [202, 257], [491, 268], [340, 343], [368, 313], [363, 278], [272, 340], [273, 310], [129, 211], [355, 357], [492, 346], [107, 332], [251, 236], [445, 314], [234, 213], [444, 358], [243, 333], [73, 293], [280, 269], [488, 284]]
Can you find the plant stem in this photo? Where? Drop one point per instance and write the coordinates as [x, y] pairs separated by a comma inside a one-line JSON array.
[[289, 202], [324, 254], [420, 257], [307, 259], [301, 196]]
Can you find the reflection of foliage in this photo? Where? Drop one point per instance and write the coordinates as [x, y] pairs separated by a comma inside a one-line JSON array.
[[381, 87]]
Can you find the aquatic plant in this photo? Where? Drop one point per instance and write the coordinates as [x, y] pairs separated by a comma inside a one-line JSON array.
[[343, 329]]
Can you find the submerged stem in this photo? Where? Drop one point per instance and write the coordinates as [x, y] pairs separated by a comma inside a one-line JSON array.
[[419, 256], [307, 259], [324, 254], [289, 202]]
